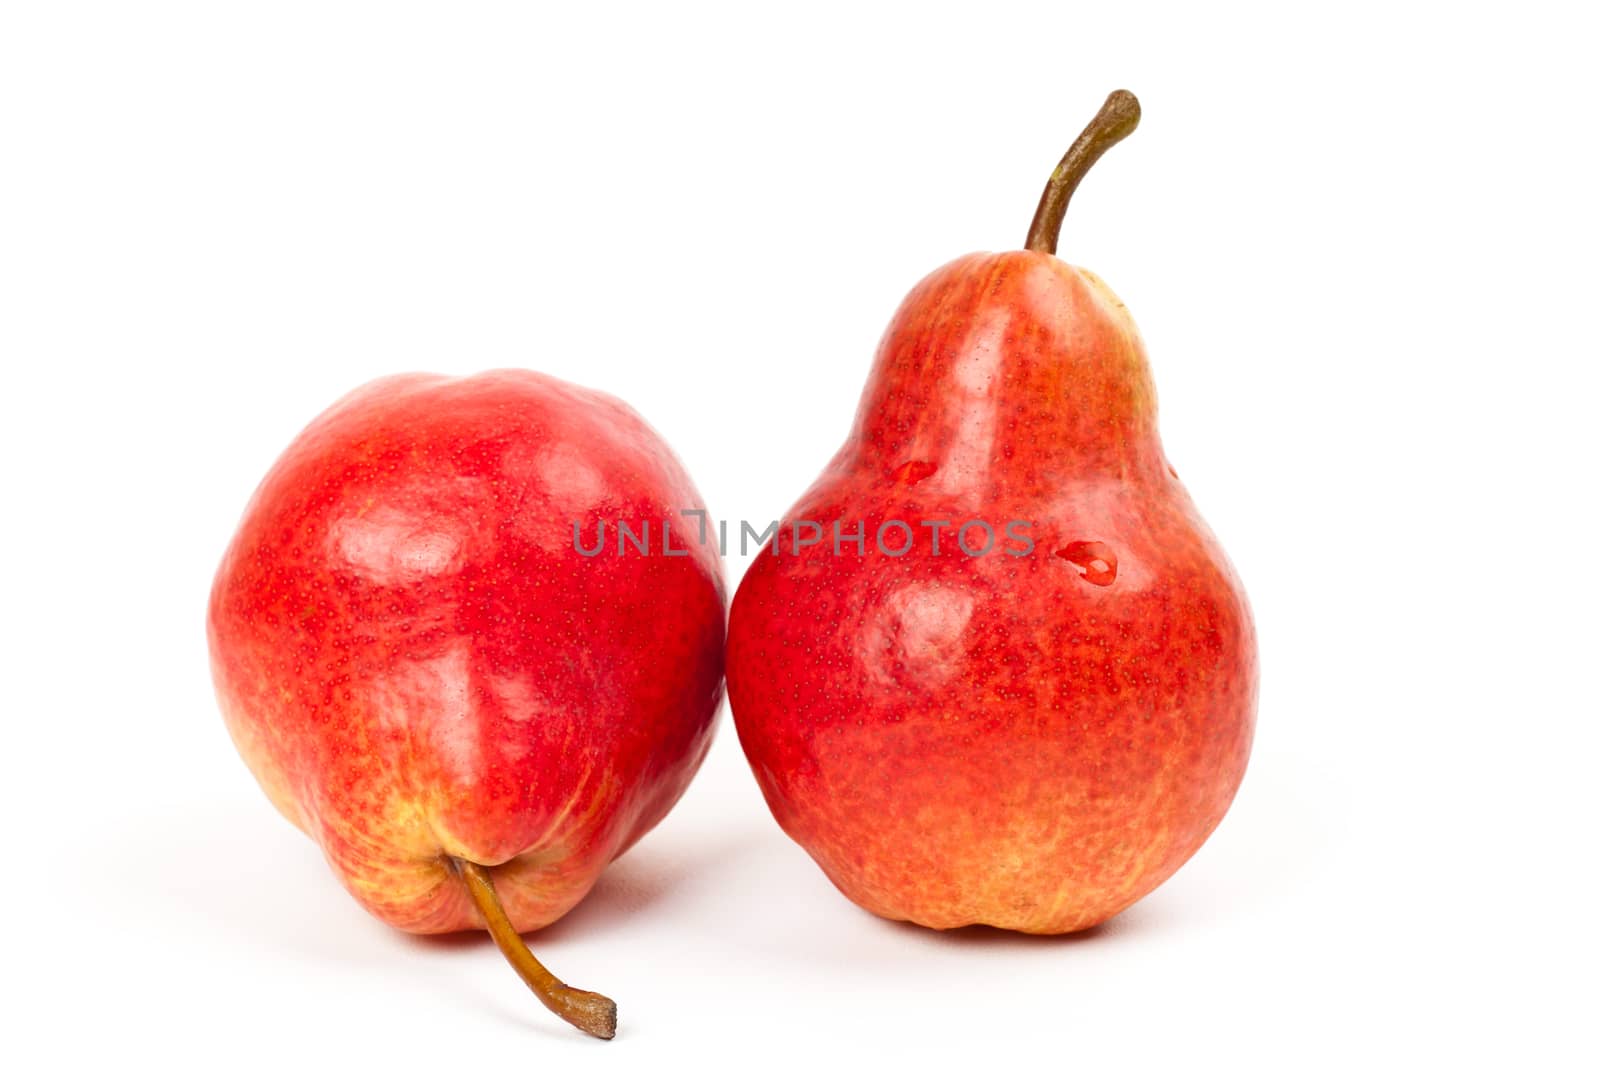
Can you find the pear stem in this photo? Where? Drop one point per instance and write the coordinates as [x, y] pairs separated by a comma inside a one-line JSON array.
[[1118, 117], [589, 1012]]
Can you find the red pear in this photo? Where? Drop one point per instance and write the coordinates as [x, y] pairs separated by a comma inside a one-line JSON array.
[[996, 669], [471, 716]]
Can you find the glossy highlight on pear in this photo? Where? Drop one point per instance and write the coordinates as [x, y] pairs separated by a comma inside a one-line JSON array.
[[1032, 742]]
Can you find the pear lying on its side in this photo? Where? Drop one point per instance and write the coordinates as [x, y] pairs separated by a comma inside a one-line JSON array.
[[471, 717]]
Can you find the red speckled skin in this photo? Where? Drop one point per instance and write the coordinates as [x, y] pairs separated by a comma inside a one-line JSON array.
[[416, 663], [1026, 741]]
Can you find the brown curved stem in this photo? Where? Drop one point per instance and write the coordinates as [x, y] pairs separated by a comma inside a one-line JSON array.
[[589, 1012], [1118, 117]]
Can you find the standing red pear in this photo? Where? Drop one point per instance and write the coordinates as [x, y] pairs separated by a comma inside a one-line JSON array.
[[470, 716], [1035, 713]]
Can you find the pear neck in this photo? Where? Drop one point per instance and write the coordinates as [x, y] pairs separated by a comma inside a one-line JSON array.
[[997, 367]]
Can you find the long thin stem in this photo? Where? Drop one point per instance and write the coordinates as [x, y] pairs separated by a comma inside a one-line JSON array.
[[1118, 117], [589, 1012]]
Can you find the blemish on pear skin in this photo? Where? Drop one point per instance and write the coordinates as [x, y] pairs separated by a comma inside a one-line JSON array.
[[913, 471], [1095, 561]]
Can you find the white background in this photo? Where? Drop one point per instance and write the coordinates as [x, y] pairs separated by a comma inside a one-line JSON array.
[[1360, 241]]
